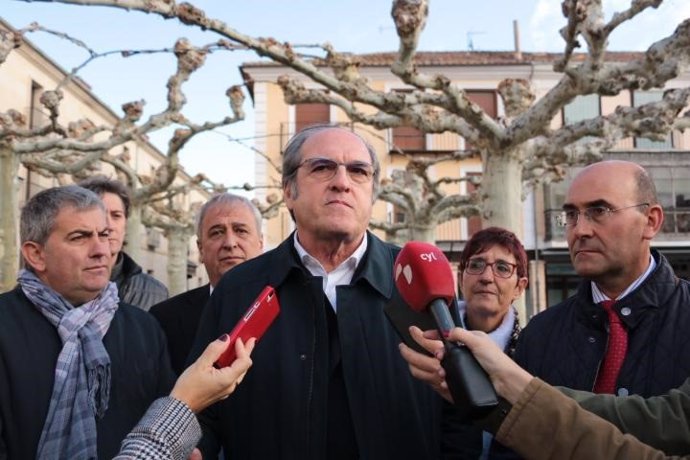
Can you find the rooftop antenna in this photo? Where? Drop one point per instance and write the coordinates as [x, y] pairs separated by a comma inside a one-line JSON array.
[[470, 34], [516, 40]]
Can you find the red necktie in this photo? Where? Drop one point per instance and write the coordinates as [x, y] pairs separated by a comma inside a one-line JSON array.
[[615, 352]]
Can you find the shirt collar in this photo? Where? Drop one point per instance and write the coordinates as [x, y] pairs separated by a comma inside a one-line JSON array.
[[315, 267]]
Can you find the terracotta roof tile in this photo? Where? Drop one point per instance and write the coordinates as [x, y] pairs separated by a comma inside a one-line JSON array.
[[460, 58]]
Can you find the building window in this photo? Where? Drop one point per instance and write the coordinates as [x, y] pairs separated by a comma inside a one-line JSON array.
[[561, 282], [485, 99], [311, 114], [408, 139], [645, 97], [581, 108], [673, 192], [37, 117], [396, 214], [554, 195]]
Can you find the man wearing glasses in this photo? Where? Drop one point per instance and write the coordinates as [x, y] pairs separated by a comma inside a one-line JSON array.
[[327, 379], [625, 330]]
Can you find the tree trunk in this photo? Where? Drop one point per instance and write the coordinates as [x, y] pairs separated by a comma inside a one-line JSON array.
[[426, 233], [9, 215], [502, 191], [178, 239], [133, 232]]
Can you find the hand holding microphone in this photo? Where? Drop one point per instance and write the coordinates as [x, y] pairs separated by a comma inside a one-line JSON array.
[[425, 281]]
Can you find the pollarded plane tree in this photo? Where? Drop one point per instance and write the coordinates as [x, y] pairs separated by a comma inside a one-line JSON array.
[[517, 150], [69, 149]]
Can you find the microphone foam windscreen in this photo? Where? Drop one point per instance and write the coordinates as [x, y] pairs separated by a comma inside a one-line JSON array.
[[422, 273]]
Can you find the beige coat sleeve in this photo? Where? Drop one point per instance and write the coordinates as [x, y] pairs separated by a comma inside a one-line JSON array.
[[545, 424], [661, 421]]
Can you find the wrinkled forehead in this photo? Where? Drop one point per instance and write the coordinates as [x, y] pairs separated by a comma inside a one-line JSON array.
[[226, 213], [337, 144]]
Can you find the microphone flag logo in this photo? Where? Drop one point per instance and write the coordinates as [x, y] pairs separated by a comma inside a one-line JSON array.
[[406, 271]]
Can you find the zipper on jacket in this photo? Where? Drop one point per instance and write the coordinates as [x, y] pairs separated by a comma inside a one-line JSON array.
[[601, 360]]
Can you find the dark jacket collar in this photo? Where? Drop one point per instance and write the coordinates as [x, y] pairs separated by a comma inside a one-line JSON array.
[[375, 268], [124, 268]]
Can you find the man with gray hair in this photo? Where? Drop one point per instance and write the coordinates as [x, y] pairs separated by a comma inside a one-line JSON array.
[[77, 367], [327, 379], [228, 233]]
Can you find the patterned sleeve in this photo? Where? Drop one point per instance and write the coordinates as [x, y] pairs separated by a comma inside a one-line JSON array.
[[168, 430]]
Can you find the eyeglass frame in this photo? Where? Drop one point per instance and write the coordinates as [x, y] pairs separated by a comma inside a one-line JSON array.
[[562, 219], [490, 264], [350, 164]]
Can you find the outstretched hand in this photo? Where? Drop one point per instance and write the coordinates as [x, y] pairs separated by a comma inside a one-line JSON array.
[[202, 384], [508, 378], [424, 367]]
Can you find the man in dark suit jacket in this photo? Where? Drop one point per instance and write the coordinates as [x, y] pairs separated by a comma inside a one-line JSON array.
[[228, 233]]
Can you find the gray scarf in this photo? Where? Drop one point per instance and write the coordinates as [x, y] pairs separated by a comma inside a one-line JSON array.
[[82, 373]]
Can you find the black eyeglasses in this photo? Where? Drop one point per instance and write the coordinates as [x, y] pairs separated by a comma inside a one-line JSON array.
[[501, 268], [595, 214], [323, 169]]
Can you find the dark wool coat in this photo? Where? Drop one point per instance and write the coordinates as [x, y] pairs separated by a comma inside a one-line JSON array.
[[280, 410], [179, 317], [29, 347]]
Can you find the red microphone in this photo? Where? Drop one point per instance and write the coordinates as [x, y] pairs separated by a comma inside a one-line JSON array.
[[425, 282]]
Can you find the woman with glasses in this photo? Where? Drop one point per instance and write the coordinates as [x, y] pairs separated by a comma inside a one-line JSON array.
[[493, 274]]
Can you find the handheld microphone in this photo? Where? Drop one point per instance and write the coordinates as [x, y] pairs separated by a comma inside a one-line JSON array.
[[425, 282], [253, 323]]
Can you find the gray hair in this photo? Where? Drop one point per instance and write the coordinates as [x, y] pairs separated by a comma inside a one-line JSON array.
[[229, 199], [38, 216], [292, 157]]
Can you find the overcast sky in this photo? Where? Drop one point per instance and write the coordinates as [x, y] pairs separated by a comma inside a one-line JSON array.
[[350, 25]]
